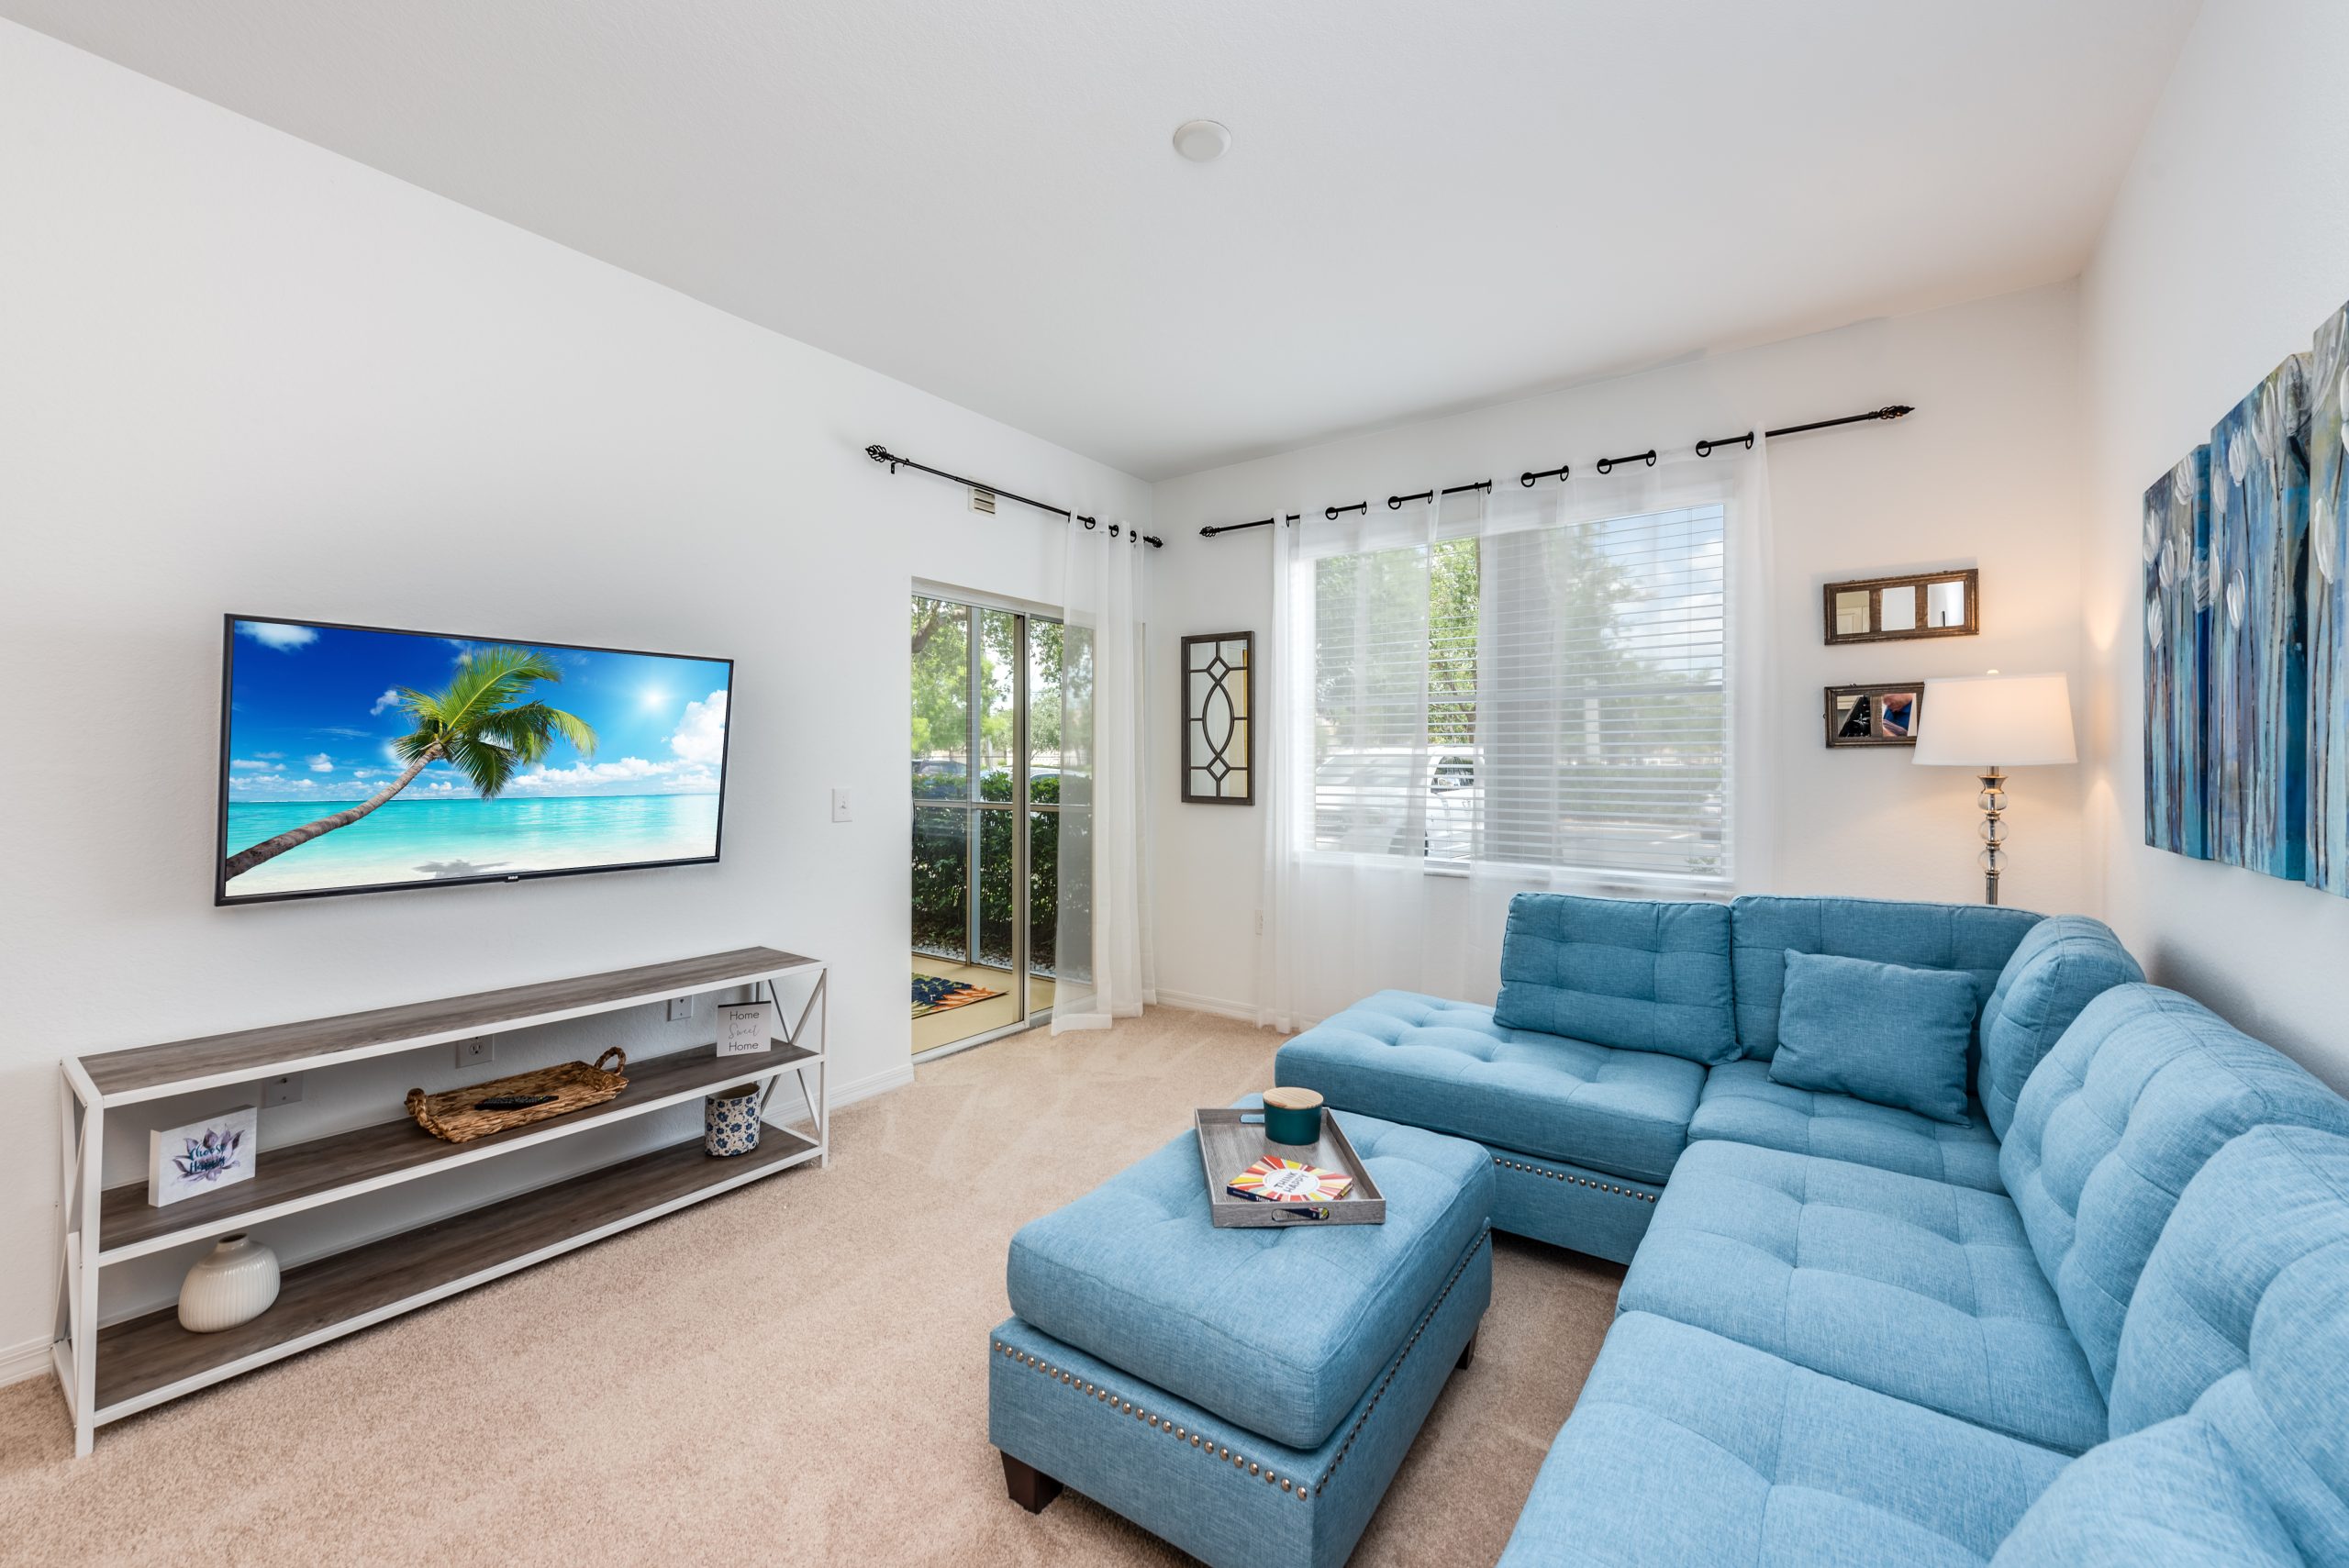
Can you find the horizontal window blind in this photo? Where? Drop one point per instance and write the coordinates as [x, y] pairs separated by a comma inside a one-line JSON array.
[[1550, 697]]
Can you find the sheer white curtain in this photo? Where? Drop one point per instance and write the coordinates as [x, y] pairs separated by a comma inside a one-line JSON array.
[[1103, 966], [1564, 687]]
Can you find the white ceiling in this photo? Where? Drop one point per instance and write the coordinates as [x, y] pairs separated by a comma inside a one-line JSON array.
[[1425, 207]]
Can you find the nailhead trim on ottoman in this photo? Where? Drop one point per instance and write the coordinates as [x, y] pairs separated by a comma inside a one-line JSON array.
[[1287, 1484]]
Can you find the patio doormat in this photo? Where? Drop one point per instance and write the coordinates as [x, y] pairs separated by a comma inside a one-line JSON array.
[[933, 994]]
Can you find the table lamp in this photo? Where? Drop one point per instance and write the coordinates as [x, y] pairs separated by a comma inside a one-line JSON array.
[[2021, 720]]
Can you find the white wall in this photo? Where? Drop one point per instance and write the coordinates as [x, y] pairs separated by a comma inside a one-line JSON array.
[[2228, 245], [1988, 473], [239, 372]]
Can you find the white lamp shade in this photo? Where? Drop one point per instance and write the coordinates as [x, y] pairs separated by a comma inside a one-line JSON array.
[[2007, 721]]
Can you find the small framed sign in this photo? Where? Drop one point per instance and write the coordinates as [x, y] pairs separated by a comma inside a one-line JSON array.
[[202, 1157], [745, 1028]]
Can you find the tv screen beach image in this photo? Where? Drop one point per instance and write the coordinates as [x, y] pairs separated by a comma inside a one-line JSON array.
[[357, 758]]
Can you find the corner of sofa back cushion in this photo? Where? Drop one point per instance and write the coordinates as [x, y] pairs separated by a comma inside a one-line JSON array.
[[1632, 973], [2270, 1208], [2115, 1122], [1880, 1032], [2062, 964], [1765, 926], [2177, 1494]]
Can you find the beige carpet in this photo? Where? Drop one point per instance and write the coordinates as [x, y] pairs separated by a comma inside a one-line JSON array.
[[792, 1374]]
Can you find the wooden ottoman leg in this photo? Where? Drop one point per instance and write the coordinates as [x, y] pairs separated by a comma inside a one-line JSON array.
[[1029, 1487], [1467, 1351]]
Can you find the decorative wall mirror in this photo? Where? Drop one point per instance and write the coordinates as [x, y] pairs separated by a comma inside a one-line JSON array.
[[1887, 610], [1873, 716], [1219, 719]]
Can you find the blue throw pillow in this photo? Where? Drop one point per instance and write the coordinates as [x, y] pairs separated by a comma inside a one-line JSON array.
[[1880, 1032], [1635, 974]]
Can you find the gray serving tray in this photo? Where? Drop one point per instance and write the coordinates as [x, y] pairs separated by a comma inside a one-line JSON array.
[[1231, 1140]]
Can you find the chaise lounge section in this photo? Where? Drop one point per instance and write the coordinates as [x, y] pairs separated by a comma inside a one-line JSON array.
[[1627, 1029]]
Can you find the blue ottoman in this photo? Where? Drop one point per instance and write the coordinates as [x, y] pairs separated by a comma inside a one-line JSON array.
[[1245, 1395]]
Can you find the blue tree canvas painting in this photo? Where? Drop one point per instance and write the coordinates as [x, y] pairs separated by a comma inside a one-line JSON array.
[[2177, 654], [2256, 778], [2328, 607]]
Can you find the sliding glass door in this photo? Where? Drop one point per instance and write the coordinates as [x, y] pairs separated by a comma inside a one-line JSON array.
[[985, 783]]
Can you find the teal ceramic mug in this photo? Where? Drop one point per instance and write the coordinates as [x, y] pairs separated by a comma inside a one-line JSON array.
[[1293, 1116]]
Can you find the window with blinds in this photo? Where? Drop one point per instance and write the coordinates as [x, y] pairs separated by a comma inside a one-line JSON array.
[[1548, 697]]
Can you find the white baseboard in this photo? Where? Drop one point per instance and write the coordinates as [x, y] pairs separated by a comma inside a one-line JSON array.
[[1244, 1011], [879, 1083], [21, 1361]]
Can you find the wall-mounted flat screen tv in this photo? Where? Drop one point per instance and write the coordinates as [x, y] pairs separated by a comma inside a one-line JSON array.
[[355, 758]]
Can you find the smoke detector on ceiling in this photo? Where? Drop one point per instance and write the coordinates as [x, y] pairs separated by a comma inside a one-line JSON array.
[[1202, 141]]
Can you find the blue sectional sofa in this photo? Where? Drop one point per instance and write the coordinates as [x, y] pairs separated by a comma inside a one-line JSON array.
[[2102, 1316]]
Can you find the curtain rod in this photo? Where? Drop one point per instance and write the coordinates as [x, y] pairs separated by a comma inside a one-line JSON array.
[[1705, 447], [882, 454]]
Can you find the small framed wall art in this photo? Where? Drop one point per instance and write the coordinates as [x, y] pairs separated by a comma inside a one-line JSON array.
[[1219, 719], [1893, 610], [1873, 716], [203, 1156]]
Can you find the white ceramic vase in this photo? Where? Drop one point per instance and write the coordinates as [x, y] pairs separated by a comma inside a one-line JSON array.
[[232, 1284]]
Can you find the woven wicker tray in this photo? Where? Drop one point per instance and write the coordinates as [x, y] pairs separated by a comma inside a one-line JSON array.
[[454, 1115]]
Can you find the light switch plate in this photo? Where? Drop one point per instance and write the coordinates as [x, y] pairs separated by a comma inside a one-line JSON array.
[[840, 806]]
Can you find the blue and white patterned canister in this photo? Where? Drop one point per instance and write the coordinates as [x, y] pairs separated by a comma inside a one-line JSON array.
[[730, 1121]]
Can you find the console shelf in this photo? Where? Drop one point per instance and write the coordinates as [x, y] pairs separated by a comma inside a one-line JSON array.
[[111, 1371], [344, 1164], [149, 1360]]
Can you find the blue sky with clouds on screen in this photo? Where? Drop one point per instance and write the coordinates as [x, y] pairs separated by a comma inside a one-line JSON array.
[[314, 711]]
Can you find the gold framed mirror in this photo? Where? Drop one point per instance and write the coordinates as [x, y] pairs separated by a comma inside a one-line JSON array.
[[1918, 604]]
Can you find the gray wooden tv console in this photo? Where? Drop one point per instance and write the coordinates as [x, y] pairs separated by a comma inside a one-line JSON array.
[[110, 1371]]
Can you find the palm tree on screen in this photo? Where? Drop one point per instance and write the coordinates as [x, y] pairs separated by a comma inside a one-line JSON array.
[[480, 724]]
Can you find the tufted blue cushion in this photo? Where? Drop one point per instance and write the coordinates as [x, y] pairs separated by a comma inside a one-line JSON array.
[[1764, 927], [1687, 1451], [1641, 975], [1881, 1033], [1448, 1066], [2062, 964], [2175, 1497], [1134, 1273], [2143, 1089], [2277, 1199], [1743, 1104], [1915, 1288], [2253, 1274]]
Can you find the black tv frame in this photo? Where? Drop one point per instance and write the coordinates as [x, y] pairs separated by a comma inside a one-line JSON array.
[[222, 899]]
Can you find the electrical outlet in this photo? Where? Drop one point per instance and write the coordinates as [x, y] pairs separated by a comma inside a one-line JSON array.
[[1260, 922], [680, 1008], [840, 807], [478, 1052], [281, 1090]]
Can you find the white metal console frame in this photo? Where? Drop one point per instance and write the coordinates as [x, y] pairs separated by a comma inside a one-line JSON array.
[[82, 1256]]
